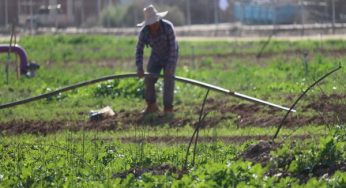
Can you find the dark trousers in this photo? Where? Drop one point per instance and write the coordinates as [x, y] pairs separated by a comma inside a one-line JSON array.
[[154, 68]]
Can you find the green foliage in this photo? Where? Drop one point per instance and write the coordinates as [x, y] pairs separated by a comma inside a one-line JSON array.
[[113, 16], [68, 59], [130, 15], [175, 15], [96, 159], [63, 48], [306, 159], [92, 159], [120, 88]]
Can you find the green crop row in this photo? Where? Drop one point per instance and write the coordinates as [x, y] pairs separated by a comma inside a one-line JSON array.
[[67, 48], [90, 160]]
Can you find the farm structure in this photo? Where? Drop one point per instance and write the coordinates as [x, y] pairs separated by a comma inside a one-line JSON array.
[[289, 12], [70, 12], [267, 13]]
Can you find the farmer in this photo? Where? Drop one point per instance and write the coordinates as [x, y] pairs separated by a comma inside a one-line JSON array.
[[159, 34]]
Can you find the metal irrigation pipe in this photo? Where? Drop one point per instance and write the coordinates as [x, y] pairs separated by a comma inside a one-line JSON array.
[[201, 118], [300, 97], [259, 54], [129, 75], [196, 133]]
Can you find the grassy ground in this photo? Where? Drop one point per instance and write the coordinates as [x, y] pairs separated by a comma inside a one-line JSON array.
[[52, 142], [268, 78]]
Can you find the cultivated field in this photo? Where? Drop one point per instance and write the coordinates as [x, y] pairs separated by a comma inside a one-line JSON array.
[[53, 143]]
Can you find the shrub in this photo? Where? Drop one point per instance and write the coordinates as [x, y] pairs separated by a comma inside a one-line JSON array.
[[129, 16], [125, 88], [113, 16], [175, 15]]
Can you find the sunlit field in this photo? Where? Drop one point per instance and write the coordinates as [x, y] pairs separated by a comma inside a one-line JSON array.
[[53, 142]]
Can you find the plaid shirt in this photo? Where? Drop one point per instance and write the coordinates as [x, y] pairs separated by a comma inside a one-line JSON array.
[[164, 46]]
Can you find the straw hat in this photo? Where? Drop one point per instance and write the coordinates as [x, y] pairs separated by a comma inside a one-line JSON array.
[[151, 15]]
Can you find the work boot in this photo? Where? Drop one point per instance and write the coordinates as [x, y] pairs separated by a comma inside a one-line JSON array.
[[151, 108], [168, 110]]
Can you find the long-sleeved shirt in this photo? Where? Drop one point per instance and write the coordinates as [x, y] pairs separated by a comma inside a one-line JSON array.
[[164, 46]]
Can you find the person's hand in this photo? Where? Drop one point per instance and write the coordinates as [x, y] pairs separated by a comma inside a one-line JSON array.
[[140, 73]]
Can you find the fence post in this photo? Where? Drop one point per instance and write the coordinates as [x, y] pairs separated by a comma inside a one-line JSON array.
[[305, 56], [193, 57], [7, 65], [333, 16]]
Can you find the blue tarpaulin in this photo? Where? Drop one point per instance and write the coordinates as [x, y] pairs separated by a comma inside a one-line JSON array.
[[252, 13]]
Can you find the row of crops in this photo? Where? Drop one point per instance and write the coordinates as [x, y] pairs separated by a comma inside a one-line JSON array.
[[88, 159]]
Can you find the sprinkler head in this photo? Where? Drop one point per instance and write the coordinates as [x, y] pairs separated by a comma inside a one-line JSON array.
[[32, 67]]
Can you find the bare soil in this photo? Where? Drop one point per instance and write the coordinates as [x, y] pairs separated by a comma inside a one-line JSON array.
[[260, 152], [329, 110]]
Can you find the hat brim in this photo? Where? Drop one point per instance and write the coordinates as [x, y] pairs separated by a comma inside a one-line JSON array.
[[152, 20]]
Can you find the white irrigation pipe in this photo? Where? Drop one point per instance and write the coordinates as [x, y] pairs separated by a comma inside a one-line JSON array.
[[129, 75]]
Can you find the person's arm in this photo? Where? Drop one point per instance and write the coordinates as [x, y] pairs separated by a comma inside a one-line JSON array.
[[139, 54], [172, 46], [172, 56]]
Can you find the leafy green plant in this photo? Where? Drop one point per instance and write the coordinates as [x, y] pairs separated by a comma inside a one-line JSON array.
[[120, 88], [113, 16]]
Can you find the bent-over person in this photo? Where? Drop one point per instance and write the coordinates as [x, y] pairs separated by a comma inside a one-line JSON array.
[[159, 35]]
